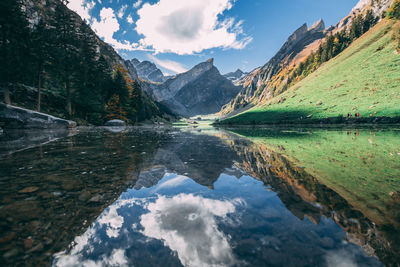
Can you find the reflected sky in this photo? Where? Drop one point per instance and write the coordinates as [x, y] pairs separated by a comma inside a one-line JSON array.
[[179, 222]]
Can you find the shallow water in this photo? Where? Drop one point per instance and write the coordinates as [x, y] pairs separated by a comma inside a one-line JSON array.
[[200, 197]]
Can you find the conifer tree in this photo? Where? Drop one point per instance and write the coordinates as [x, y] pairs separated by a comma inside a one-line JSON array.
[[369, 21], [66, 46], [14, 37], [88, 95], [40, 56]]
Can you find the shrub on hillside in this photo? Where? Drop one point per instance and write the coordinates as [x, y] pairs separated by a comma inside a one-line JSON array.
[[394, 10]]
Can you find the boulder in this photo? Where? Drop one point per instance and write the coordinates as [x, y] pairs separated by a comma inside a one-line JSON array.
[[13, 117], [115, 123]]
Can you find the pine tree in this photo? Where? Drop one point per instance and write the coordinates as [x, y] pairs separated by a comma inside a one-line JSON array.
[[88, 95], [104, 80], [14, 37], [118, 104], [66, 46], [114, 109], [40, 56], [121, 88], [135, 98], [356, 29], [369, 21]]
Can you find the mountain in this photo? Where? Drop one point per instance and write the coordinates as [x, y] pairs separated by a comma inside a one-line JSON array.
[[148, 71], [363, 79], [270, 80], [235, 76], [290, 53], [201, 90]]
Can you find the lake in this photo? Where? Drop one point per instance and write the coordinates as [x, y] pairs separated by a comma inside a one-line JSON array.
[[163, 196]]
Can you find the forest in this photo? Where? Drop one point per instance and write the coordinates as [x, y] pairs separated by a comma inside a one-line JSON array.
[[56, 55]]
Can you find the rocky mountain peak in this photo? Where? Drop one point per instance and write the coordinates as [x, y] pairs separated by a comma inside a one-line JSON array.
[[135, 61], [148, 71], [234, 76], [298, 34], [201, 67], [238, 71], [318, 26]]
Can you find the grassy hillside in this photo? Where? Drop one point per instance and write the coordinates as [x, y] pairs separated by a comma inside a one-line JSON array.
[[364, 78]]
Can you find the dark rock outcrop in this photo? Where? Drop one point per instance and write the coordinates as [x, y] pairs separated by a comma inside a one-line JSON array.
[[19, 118]]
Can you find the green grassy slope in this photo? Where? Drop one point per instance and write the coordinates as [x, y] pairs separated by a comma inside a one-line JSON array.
[[364, 78]]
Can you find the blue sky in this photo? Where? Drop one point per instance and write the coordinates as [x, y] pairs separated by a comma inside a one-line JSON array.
[[178, 34]]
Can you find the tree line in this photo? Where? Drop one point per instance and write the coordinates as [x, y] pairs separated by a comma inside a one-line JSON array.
[[61, 54]]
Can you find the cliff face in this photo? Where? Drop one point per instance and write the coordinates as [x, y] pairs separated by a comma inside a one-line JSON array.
[[377, 7], [201, 90], [148, 71]]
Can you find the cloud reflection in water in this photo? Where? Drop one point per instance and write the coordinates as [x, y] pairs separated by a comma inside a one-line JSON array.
[[187, 225]]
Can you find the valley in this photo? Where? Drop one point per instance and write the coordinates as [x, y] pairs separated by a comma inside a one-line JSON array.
[[199, 133]]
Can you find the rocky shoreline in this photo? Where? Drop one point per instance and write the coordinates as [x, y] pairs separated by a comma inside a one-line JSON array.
[[12, 117]]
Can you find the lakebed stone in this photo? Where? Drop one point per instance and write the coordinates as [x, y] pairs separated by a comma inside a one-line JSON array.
[[19, 118]]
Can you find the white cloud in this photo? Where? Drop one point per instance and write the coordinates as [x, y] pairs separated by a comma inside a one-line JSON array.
[[129, 19], [173, 66], [189, 26], [187, 224], [112, 221], [138, 3], [82, 7], [121, 12], [340, 258], [107, 26]]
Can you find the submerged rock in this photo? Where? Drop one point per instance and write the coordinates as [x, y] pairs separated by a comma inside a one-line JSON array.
[[29, 189], [19, 118]]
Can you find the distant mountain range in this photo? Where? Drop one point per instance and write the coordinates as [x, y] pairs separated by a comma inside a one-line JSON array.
[[201, 90]]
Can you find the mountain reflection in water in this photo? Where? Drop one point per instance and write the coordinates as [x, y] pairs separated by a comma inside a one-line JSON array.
[[148, 197]]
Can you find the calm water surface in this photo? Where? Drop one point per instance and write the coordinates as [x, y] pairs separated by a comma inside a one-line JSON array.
[[200, 197]]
